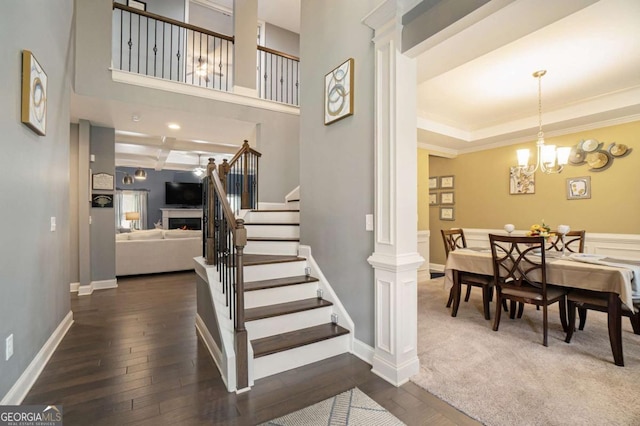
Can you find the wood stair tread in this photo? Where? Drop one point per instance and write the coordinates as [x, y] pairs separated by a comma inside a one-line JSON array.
[[293, 200], [278, 282], [265, 259], [294, 339], [279, 239], [278, 309]]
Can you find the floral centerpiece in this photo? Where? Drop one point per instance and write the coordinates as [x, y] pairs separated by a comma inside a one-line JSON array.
[[543, 230]]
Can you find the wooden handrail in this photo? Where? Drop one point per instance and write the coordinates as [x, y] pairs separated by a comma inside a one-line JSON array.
[[245, 148], [277, 52], [172, 21], [236, 227]]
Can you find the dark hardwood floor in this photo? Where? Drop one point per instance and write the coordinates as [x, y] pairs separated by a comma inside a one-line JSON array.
[[133, 356]]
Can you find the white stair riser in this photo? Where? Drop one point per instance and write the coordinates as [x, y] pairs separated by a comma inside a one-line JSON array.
[[272, 296], [293, 205], [272, 247], [297, 357], [285, 323], [272, 217], [273, 231], [274, 270]]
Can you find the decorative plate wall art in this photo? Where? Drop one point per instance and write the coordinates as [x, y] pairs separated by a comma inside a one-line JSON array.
[[338, 92], [34, 94]]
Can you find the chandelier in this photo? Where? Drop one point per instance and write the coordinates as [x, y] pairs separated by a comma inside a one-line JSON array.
[[549, 159]]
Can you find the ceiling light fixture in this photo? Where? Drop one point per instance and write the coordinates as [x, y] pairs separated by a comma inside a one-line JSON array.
[[550, 159], [140, 174], [135, 118], [199, 171], [173, 126]]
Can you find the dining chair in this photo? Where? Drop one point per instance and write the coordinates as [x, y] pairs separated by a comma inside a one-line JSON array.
[[520, 275], [454, 239], [573, 241]]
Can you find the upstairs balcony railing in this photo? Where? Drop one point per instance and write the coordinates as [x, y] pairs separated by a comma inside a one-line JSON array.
[[153, 45]]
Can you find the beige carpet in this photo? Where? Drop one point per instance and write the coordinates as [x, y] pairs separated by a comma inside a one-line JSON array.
[[508, 378], [350, 408]]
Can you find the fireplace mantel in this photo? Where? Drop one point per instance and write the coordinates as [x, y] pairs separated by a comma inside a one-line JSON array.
[[178, 213]]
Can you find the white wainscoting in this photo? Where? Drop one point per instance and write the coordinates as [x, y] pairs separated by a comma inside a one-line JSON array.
[[423, 250], [621, 246]]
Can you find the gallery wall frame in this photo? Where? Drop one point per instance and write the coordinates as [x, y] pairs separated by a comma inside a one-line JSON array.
[[447, 198], [446, 182], [433, 198], [34, 94], [433, 182], [521, 182], [338, 92], [447, 213]]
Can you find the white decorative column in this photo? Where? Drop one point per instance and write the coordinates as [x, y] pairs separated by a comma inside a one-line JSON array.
[[395, 259]]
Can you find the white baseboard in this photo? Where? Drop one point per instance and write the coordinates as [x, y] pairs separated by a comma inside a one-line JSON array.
[[86, 290], [363, 351], [23, 385], [73, 287], [397, 375], [424, 275]]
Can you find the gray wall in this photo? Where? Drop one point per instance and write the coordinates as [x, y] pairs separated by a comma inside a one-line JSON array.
[[279, 132], [34, 262], [74, 234], [205, 309], [431, 16], [154, 183], [210, 19], [283, 40], [336, 161], [103, 243]]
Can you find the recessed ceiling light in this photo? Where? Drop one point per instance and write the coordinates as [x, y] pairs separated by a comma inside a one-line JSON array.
[[135, 118], [174, 126]]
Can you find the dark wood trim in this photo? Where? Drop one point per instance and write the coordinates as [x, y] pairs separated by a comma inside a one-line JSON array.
[[277, 52], [172, 21], [294, 339], [279, 282], [286, 308]]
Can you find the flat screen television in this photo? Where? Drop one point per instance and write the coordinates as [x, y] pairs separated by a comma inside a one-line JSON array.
[[183, 193]]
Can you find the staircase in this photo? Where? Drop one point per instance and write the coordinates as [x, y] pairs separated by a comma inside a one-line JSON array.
[[289, 323]]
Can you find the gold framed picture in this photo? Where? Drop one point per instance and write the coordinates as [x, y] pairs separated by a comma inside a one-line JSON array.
[[34, 94], [338, 92]]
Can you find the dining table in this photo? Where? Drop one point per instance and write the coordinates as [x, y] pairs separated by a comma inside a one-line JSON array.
[[615, 278]]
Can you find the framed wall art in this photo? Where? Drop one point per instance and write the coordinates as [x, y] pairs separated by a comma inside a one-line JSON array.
[[521, 182], [102, 181], [433, 182], [137, 4], [447, 213], [579, 188], [446, 198], [338, 92], [34, 94], [433, 198], [446, 182]]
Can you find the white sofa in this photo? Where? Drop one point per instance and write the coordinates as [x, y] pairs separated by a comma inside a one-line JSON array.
[[157, 250]]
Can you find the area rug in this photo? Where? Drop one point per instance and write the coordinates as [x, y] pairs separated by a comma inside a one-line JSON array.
[[352, 408], [507, 377]]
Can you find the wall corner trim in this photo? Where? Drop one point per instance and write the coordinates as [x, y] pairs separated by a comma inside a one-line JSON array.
[[363, 351], [74, 287], [23, 385]]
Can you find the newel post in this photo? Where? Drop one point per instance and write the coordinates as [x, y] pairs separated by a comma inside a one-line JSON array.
[[245, 175], [223, 171], [242, 365], [211, 205]]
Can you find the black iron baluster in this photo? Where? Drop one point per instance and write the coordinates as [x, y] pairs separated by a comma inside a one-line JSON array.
[[164, 38], [170, 50], [155, 49], [138, 44], [178, 55]]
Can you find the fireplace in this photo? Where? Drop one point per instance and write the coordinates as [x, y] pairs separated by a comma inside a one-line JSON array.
[[185, 223]]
